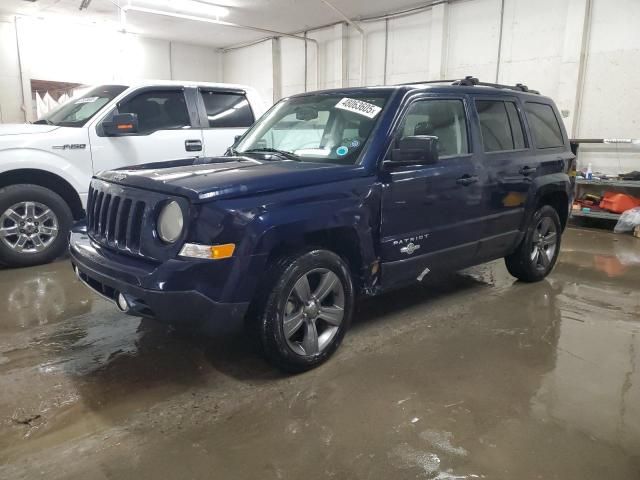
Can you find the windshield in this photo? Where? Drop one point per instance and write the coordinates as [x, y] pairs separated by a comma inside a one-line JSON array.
[[76, 112], [330, 128]]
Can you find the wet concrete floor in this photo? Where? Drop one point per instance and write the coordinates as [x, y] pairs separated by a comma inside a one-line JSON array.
[[468, 376]]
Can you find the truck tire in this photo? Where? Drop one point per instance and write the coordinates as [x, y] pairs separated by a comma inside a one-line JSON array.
[[305, 310], [34, 225], [538, 252]]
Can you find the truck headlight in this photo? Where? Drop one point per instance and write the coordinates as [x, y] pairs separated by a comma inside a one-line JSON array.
[[170, 222]]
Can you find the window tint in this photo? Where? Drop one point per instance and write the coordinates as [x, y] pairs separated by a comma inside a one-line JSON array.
[[544, 125], [158, 110], [494, 125], [444, 119], [227, 110], [516, 126]]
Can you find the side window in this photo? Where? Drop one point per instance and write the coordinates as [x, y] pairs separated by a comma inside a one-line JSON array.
[[544, 125], [494, 125], [227, 110], [516, 126], [444, 119], [158, 110]]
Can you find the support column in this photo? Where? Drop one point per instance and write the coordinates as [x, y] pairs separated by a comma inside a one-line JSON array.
[[438, 42], [276, 63], [572, 69]]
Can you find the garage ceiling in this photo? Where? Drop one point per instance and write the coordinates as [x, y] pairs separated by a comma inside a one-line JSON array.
[[279, 15]]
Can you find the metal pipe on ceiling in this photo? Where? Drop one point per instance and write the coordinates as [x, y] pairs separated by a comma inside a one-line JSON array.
[[274, 34]]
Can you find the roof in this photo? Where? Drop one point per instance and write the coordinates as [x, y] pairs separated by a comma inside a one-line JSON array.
[[468, 85], [179, 83]]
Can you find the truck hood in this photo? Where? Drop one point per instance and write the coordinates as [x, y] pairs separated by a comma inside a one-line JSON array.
[[25, 128], [226, 177]]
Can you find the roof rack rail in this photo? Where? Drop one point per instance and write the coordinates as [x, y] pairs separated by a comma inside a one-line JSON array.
[[470, 81]]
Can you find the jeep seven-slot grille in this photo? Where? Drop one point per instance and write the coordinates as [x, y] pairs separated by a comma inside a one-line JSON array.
[[114, 220]]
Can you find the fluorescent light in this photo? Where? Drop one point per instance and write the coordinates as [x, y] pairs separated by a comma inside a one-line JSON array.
[[201, 7]]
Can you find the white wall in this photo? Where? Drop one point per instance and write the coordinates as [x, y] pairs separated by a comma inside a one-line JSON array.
[[251, 66], [542, 46], [10, 88], [72, 52]]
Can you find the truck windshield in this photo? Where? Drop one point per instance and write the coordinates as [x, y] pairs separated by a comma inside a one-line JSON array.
[[326, 127], [76, 112]]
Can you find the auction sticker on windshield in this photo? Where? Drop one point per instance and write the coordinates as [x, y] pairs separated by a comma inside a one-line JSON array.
[[358, 106]]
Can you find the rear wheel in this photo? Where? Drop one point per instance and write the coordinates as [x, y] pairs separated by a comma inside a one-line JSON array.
[[537, 254], [34, 225], [301, 321]]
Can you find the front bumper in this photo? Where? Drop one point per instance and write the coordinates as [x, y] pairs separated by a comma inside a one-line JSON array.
[[175, 292]]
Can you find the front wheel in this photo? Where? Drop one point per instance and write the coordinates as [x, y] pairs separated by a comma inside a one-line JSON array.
[[303, 318], [537, 254], [34, 225]]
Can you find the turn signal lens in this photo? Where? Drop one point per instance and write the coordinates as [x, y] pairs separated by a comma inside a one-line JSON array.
[[213, 252], [222, 251]]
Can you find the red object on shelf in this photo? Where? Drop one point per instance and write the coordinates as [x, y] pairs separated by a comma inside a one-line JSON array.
[[618, 202]]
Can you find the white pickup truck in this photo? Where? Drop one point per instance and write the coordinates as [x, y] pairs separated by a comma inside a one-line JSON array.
[[46, 167]]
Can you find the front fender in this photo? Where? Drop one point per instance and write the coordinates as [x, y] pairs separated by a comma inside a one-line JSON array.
[[35, 159], [353, 207], [287, 220]]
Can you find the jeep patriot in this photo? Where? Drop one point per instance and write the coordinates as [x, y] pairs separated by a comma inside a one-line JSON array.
[[331, 195]]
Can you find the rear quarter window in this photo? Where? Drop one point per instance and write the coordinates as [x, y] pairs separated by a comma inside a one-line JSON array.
[[544, 125]]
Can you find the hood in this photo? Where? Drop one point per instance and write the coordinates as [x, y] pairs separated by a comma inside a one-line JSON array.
[[227, 177], [25, 128]]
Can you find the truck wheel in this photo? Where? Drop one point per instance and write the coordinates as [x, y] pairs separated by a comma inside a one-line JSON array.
[[34, 225], [537, 254], [304, 316]]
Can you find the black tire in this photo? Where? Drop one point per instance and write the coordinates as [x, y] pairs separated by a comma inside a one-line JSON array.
[[15, 194], [524, 264], [265, 318]]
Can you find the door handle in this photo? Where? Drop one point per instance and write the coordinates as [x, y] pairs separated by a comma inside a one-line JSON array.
[[193, 145], [467, 180], [527, 170]]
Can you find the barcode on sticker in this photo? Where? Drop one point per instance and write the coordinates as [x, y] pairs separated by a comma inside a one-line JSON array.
[[358, 106]]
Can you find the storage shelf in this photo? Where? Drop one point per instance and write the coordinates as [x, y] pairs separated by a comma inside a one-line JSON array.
[[604, 215], [609, 183]]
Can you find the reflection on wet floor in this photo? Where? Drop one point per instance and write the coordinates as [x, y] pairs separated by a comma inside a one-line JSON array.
[[467, 376]]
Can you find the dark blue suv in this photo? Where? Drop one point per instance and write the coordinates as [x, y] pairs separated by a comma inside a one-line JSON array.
[[329, 195]]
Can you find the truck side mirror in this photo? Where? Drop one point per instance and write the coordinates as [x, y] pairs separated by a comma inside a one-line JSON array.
[[121, 124], [416, 149]]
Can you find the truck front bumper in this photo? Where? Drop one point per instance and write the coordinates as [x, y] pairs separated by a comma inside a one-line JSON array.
[[175, 292]]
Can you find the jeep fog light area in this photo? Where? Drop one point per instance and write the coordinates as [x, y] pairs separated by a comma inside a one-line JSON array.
[[332, 195]]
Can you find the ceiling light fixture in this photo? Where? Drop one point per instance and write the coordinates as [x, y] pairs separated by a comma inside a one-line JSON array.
[[201, 7]]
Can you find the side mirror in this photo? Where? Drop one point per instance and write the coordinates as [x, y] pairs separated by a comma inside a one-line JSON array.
[[121, 124], [417, 149]]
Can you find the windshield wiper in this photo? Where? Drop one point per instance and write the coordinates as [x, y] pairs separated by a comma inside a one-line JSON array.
[[43, 121], [283, 153]]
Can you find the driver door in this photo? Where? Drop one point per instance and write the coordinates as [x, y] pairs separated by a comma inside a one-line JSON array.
[[167, 130], [430, 213]]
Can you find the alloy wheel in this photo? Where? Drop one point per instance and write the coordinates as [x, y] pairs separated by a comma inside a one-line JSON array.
[[544, 243], [313, 312], [28, 227]]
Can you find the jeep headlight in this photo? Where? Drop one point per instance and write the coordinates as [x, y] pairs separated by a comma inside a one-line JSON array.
[[170, 222]]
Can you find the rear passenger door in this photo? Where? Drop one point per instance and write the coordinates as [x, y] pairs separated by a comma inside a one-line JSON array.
[[509, 166], [225, 114]]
